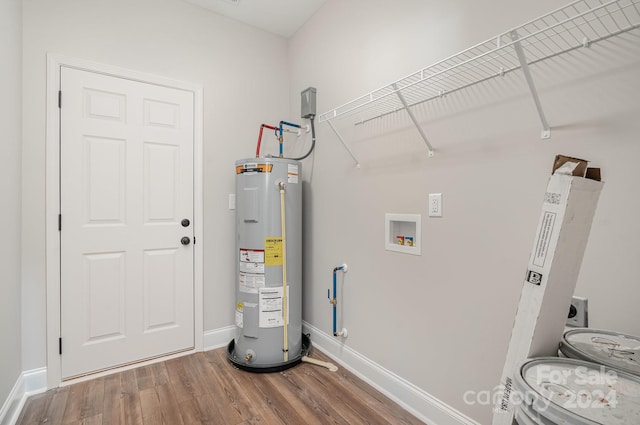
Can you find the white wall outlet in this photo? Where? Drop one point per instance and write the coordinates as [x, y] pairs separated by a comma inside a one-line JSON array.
[[578, 312], [435, 205], [232, 201]]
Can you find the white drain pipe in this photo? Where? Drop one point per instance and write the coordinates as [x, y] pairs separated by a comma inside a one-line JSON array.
[[330, 366]]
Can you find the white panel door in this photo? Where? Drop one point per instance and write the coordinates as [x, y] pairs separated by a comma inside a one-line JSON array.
[[127, 275]]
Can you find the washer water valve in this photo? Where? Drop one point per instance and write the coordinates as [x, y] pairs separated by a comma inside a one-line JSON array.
[[334, 301]]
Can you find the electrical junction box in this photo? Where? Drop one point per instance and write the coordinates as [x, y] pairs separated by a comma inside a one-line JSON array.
[[308, 103]]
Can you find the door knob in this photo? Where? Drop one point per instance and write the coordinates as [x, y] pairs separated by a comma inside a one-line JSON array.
[[185, 241], [185, 222]]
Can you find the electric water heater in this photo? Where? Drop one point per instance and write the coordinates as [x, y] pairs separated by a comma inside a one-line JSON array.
[[268, 281]]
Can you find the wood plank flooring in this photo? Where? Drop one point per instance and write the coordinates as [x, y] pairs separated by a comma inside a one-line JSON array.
[[204, 388]]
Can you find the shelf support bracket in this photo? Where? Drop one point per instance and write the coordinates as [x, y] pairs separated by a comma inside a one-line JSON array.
[[546, 131], [344, 144], [413, 119]]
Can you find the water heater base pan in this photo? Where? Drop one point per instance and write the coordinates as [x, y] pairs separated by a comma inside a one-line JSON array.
[[240, 363]]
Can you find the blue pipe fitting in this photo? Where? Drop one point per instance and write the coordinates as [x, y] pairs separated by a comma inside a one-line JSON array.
[[281, 131], [334, 300], [290, 124]]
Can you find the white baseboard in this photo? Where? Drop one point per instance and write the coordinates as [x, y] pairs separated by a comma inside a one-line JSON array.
[[29, 383], [418, 402], [218, 338]]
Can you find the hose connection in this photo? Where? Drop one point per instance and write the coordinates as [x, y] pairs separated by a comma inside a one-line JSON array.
[[334, 301]]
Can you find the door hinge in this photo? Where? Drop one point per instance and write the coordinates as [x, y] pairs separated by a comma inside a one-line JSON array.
[[60, 345], [59, 222], [60, 99]]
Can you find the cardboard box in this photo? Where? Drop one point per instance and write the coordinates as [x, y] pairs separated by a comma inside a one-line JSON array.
[[563, 230]]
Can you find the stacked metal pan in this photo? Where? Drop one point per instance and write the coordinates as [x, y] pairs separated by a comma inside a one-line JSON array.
[[612, 349], [597, 383]]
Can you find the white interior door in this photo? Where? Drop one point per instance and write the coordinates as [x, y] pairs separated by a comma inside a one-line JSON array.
[[126, 188]]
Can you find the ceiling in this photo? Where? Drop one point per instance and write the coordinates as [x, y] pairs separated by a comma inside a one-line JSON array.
[[282, 17]]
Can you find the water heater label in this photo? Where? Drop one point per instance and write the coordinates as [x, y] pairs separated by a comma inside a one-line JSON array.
[[273, 251], [251, 261], [292, 173], [252, 168], [270, 314], [239, 315], [251, 255], [251, 267], [251, 282]]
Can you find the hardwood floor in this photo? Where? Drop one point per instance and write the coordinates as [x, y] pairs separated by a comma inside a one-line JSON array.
[[204, 388]]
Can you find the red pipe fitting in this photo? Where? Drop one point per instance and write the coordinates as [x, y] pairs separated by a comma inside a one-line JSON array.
[[262, 127]]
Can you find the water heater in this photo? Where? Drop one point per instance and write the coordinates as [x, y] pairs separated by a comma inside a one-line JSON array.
[[268, 310]]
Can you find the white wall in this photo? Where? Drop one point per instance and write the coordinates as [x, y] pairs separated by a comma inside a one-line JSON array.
[[244, 75], [443, 320], [11, 126]]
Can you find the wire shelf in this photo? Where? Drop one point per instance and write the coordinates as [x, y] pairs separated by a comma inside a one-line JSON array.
[[576, 25]]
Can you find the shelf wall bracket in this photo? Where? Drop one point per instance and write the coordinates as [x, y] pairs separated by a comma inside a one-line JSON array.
[[344, 144], [413, 119], [546, 131]]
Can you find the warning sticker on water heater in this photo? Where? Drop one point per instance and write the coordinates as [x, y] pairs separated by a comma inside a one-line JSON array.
[[292, 173], [273, 251], [270, 301], [251, 260], [239, 314], [252, 255], [251, 267], [251, 282]]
